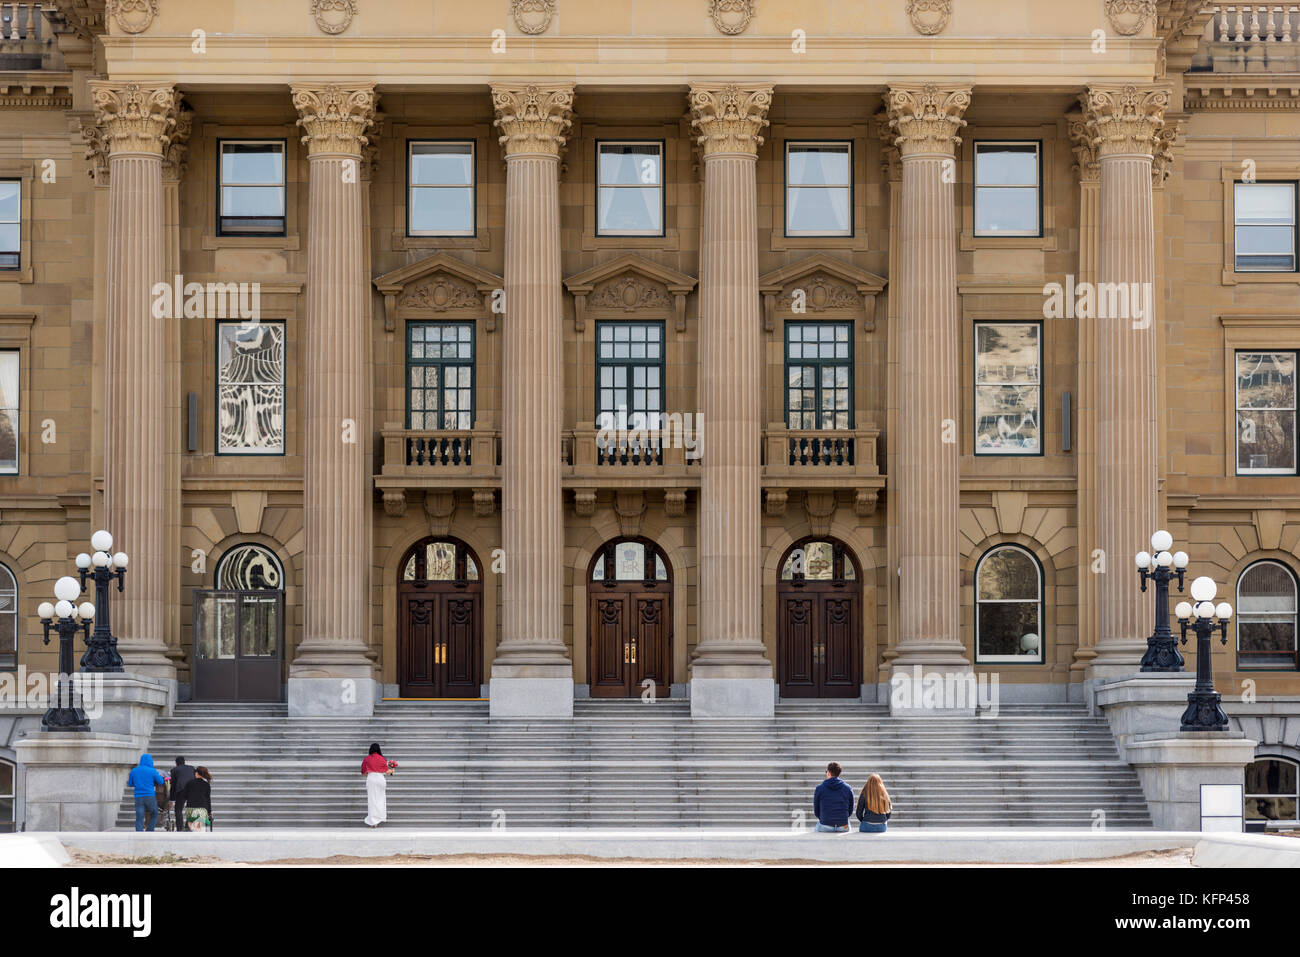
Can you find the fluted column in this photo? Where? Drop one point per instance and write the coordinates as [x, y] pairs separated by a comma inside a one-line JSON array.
[[331, 673], [532, 674], [925, 121], [134, 124], [1126, 121], [730, 675]]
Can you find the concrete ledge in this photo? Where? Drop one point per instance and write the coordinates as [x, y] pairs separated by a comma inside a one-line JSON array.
[[1247, 850], [32, 850]]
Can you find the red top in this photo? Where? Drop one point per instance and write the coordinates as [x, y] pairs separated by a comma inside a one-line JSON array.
[[374, 764]]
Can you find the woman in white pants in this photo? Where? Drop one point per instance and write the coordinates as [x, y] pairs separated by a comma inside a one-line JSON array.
[[375, 769]]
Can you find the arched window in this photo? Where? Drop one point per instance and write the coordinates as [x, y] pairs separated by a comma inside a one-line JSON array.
[[8, 619], [249, 567], [629, 560], [1009, 606], [1271, 790], [1266, 616], [7, 791], [818, 561], [440, 561]]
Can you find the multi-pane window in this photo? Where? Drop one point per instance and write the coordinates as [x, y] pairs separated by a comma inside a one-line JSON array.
[[1266, 413], [10, 386], [1271, 790], [630, 190], [819, 375], [252, 188], [8, 619], [818, 189], [629, 374], [1007, 189], [1008, 606], [441, 190], [1264, 231], [1008, 388], [440, 375], [1266, 617], [7, 791], [250, 388], [11, 216]]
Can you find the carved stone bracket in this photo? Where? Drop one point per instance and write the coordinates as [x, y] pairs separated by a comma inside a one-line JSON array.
[[629, 506], [629, 284], [775, 501], [394, 502], [729, 119], [1126, 120], [335, 117], [439, 506], [584, 502], [533, 119], [864, 502], [821, 286], [926, 118], [675, 502], [485, 502], [819, 504]]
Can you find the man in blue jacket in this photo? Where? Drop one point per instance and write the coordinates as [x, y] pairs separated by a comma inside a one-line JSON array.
[[143, 781], [833, 802]]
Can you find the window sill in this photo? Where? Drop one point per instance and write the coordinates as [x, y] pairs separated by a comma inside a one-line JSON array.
[[1233, 278], [16, 275], [969, 242], [668, 241], [251, 242], [402, 241], [777, 239]]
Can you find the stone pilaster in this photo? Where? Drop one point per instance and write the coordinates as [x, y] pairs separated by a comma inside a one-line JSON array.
[[925, 121], [532, 674], [1126, 122], [730, 674], [135, 123], [331, 673]]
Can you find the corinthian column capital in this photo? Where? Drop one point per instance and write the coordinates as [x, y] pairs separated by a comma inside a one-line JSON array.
[[132, 117], [335, 116], [925, 119], [1127, 119], [729, 119], [533, 119]]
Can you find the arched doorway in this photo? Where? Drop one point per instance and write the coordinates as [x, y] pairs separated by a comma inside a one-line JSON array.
[[629, 619], [440, 621], [819, 644]]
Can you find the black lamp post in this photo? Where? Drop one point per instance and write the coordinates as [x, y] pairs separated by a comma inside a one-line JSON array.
[[103, 566], [1162, 650], [1204, 710], [66, 618]]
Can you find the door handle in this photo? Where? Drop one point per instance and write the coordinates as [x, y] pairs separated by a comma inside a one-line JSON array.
[[626, 653], [633, 651]]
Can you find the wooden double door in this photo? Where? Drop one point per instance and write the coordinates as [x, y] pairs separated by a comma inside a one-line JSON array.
[[440, 624], [630, 640], [819, 645]]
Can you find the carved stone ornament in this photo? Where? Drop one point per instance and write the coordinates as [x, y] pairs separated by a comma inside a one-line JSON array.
[[1126, 119], [533, 119], [629, 506], [1129, 17], [133, 16], [532, 16], [485, 502], [775, 502], [926, 119], [675, 502], [133, 118], [730, 118], [176, 155], [819, 506], [394, 502], [334, 117], [584, 502], [1084, 143], [1162, 158], [440, 294], [96, 152], [630, 293], [731, 16], [439, 506], [333, 16], [821, 292], [929, 16], [864, 502]]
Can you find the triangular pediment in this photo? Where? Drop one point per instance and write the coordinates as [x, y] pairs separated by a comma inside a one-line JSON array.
[[862, 281], [677, 283], [820, 285], [392, 283], [437, 285]]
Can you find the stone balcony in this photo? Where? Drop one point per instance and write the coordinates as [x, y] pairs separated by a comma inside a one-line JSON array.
[[438, 460], [1250, 38], [27, 38], [821, 463]]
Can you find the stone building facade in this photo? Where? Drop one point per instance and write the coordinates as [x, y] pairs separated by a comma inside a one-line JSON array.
[[367, 457]]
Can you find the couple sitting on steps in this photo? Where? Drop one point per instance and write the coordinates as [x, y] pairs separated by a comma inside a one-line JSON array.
[[833, 802]]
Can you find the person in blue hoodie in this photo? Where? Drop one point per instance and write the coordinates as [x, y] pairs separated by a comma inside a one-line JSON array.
[[143, 781], [833, 802]]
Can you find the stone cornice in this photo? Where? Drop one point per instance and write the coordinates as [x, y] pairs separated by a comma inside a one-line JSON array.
[[36, 90], [132, 117], [533, 119], [335, 116], [925, 119], [1126, 120], [728, 119], [1206, 92]]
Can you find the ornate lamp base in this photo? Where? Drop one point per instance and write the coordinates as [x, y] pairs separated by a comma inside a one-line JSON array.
[[1204, 712], [1162, 655], [102, 657], [65, 719]]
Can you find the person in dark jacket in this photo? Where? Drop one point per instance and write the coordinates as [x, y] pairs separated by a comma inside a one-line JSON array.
[[874, 806], [833, 802], [182, 774], [197, 797], [143, 782]]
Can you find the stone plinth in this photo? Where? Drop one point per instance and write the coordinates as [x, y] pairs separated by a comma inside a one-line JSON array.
[[1143, 703], [75, 782], [130, 704], [1172, 769]]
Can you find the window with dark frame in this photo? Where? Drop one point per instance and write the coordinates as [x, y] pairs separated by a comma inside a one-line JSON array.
[[1008, 388], [629, 188], [251, 190], [8, 790], [1008, 198], [1008, 606], [8, 619], [818, 188], [440, 375], [250, 388], [1264, 226], [629, 374], [1266, 617], [819, 375], [10, 406], [11, 223], [1266, 412], [441, 188], [1272, 790]]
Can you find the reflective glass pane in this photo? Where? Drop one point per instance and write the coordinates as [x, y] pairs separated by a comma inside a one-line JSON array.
[[440, 561], [1271, 777], [661, 572], [1007, 574], [260, 163], [442, 164], [1266, 441], [629, 561], [1262, 204], [630, 209], [820, 165], [255, 201], [442, 210], [10, 238], [1005, 629], [471, 569], [259, 629], [598, 569], [1006, 164], [10, 201], [251, 364], [819, 561], [1006, 210], [1007, 420], [630, 164], [817, 210], [249, 566]]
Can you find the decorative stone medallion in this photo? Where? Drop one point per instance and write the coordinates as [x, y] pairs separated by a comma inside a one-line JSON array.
[[1129, 16], [630, 294], [731, 16], [333, 16], [133, 16], [929, 16], [532, 16]]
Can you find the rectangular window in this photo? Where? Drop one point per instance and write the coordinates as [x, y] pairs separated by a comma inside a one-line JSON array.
[[1266, 409], [252, 188], [250, 388], [819, 375], [818, 189], [8, 620], [629, 374], [1008, 388], [7, 790], [440, 375], [1264, 233], [1007, 198], [440, 199], [9, 407], [630, 189], [11, 216]]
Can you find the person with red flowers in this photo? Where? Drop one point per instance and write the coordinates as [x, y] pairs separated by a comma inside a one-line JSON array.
[[375, 769]]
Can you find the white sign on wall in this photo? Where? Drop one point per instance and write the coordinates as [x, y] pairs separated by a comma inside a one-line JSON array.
[[1222, 807]]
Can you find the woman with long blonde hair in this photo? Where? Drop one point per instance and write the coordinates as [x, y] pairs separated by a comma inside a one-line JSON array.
[[874, 806]]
